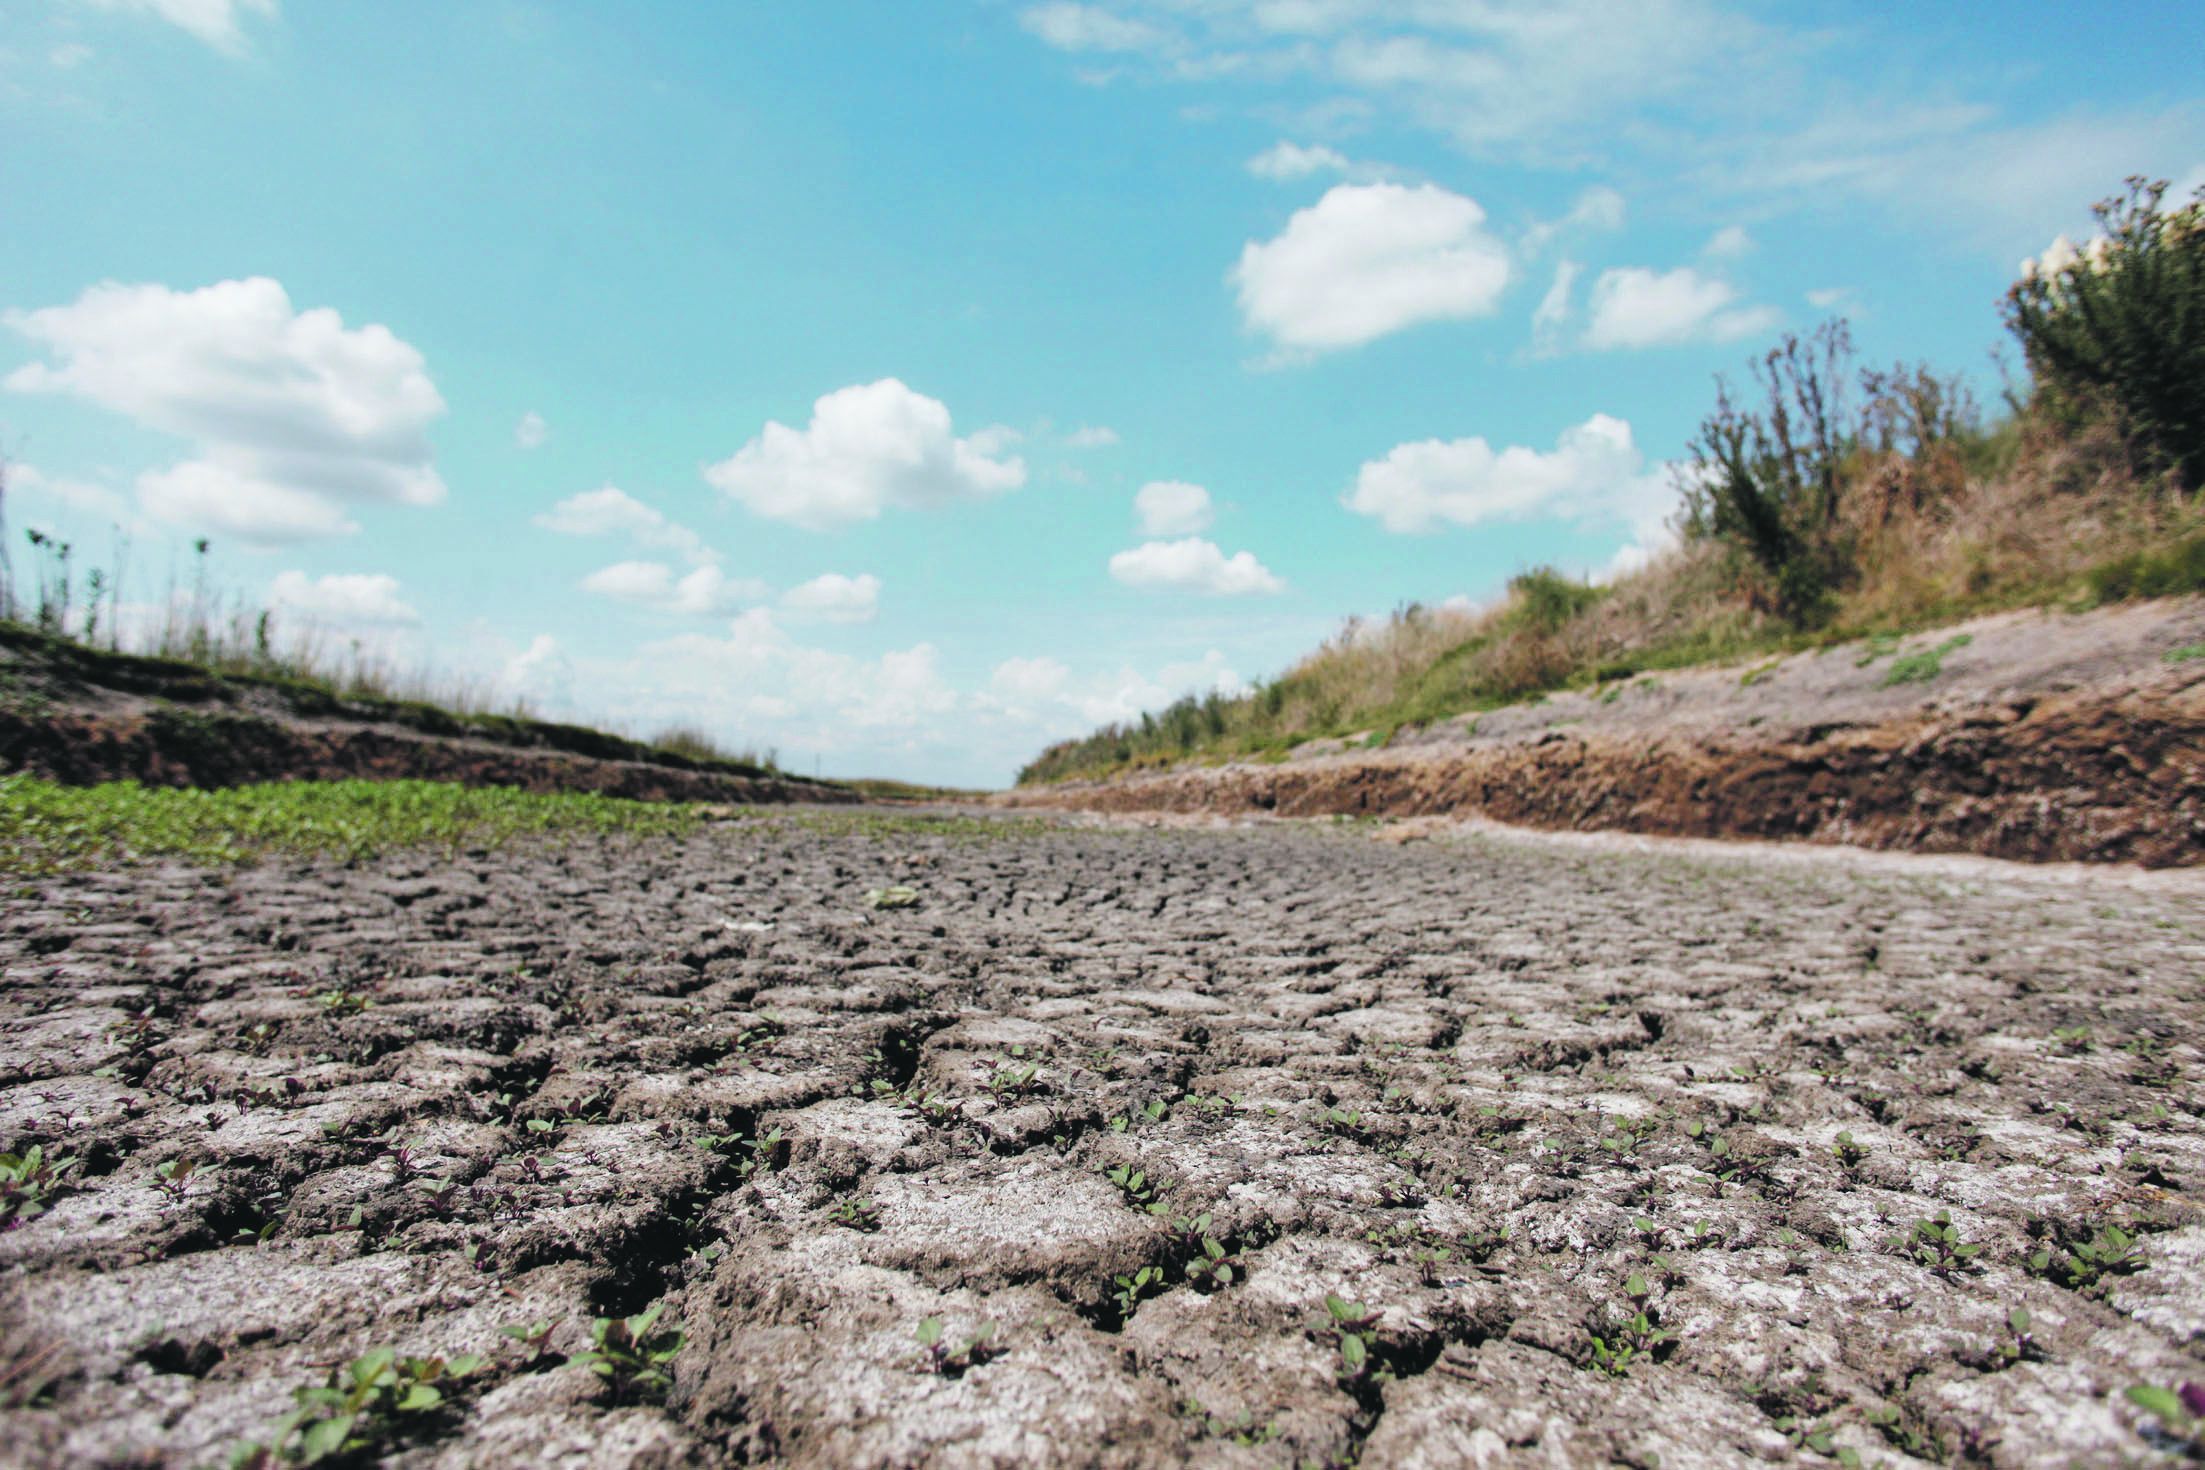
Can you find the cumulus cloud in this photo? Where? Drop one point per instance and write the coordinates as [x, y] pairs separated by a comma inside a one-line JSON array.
[[216, 22], [611, 511], [834, 598], [1091, 436], [531, 431], [1044, 693], [1594, 473], [867, 448], [342, 599], [294, 415], [1193, 565], [1172, 508], [1728, 243], [1635, 307], [1367, 260], [778, 678], [702, 592], [1284, 161]]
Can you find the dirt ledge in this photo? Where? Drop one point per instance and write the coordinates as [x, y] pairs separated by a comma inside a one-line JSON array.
[[81, 716], [2052, 738]]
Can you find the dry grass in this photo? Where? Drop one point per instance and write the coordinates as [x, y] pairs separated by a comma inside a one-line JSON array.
[[2044, 525]]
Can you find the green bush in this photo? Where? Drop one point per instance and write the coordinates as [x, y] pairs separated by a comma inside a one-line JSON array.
[[2163, 571], [2119, 328]]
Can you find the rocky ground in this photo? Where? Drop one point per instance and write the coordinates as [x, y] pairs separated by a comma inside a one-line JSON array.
[[1257, 1146]]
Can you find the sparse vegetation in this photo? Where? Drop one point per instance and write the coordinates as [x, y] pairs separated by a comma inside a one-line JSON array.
[[49, 828], [631, 1356], [1833, 503], [364, 1406]]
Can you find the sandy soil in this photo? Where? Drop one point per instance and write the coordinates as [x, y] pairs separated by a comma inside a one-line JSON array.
[[1500, 1094], [2039, 736]]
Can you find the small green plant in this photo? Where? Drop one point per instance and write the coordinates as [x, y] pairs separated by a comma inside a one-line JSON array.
[[1937, 1245], [344, 1002], [2021, 1342], [1013, 1080], [1893, 1423], [534, 1341], [173, 1177], [2179, 1412], [630, 1356], [1354, 1328], [1242, 1429], [2188, 653], [2071, 1040], [1155, 1110], [936, 1355], [2084, 1265], [29, 1181], [853, 1213], [362, 1407], [896, 896], [1344, 1121], [1925, 664], [1129, 1290], [1637, 1336], [1848, 1153], [1139, 1190]]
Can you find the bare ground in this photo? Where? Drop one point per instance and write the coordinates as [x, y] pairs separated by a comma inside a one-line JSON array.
[[1500, 1093]]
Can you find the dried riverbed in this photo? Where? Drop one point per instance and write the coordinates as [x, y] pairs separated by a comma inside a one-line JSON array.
[[1601, 1156]]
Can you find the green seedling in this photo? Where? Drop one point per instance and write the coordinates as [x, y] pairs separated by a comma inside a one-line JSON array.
[[626, 1353], [29, 1182], [897, 896], [361, 1408], [534, 1342], [1139, 1190], [1817, 1438], [1937, 1245], [1146, 1281], [344, 1002], [2022, 1344], [1242, 1429], [1343, 1121], [1354, 1325], [1848, 1153], [937, 1356], [855, 1214], [1013, 1080], [1893, 1424], [173, 1177], [1638, 1336], [2085, 1264], [2073, 1040], [2179, 1412]]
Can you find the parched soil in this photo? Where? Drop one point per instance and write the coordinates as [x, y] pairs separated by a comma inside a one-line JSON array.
[[1496, 1095], [2035, 736]]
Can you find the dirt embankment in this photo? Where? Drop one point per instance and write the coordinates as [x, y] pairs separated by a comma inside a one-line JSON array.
[[81, 716], [2037, 736]]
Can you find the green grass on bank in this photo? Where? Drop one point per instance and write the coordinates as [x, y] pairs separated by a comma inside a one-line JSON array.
[[47, 828]]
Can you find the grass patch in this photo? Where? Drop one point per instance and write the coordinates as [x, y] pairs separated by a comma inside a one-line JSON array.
[[2157, 571], [47, 828], [2189, 653], [1920, 668]]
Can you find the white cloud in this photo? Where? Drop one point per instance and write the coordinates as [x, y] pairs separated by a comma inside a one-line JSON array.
[[1367, 260], [701, 592], [1091, 436], [834, 598], [540, 674], [1072, 27], [69, 56], [342, 599], [1027, 681], [1728, 243], [867, 448], [1594, 473], [1043, 692], [531, 431], [209, 497], [764, 674], [1598, 208], [1172, 508], [1193, 565], [1553, 311], [293, 414], [1283, 161], [611, 511], [215, 22], [1831, 298], [1635, 307], [81, 497]]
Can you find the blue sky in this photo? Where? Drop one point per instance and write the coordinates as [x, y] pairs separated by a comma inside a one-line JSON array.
[[905, 386]]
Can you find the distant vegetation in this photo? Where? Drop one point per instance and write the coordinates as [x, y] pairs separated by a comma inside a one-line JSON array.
[[47, 828], [67, 606], [1826, 502]]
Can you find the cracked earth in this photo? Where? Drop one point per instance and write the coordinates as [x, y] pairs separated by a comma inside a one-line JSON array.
[[1262, 1146]]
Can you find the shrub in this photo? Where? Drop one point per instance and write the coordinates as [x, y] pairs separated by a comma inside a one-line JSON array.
[[2118, 328]]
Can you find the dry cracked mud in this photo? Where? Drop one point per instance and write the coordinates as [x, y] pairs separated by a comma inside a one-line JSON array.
[[1497, 1097]]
